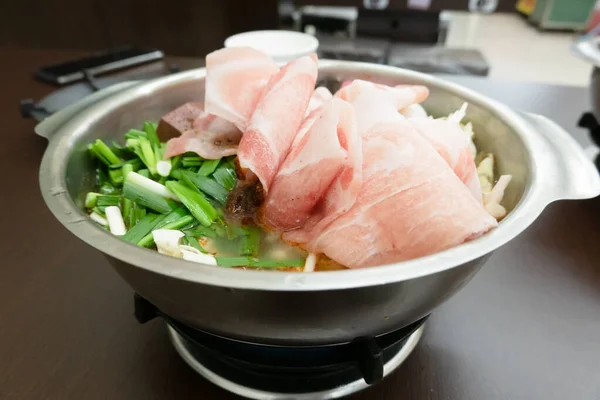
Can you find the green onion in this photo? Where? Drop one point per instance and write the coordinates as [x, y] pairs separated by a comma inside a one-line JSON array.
[[201, 231], [127, 209], [148, 193], [104, 201], [207, 185], [150, 130], [140, 213], [90, 199], [234, 231], [141, 229], [97, 210], [177, 219], [134, 163], [103, 153], [135, 134], [208, 167], [145, 151], [251, 242], [184, 176], [144, 172], [147, 155], [192, 241], [175, 161], [128, 167], [225, 175], [104, 184], [176, 174], [255, 262], [200, 208], [116, 176], [191, 161]]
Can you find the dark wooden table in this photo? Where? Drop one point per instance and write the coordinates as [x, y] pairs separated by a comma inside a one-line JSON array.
[[527, 327]]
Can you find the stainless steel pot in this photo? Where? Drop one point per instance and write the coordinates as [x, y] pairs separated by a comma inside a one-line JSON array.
[[325, 307]]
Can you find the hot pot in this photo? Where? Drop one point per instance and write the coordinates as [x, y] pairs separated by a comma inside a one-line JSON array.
[[286, 308]]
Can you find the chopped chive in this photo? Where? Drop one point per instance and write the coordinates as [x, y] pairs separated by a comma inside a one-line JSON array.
[[184, 176], [208, 167], [101, 151], [251, 242], [101, 176], [178, 223], [116, 176], [192, 241], [150, 130], [175, 161], [135, 134], [145, 151], [140, 213], [225, 176], [147, 155], [134, 163], [207, 185], [255, 262], [97, 210], [191, 161], [142, 228], [127, 207], [103, 201], [201, 231], [200, 208], [176, 174], [234, 231], [90, 199], [131, 218], [127, 168], [148, 193]]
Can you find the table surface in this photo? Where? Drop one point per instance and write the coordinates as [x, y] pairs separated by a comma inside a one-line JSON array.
[[526, 327]]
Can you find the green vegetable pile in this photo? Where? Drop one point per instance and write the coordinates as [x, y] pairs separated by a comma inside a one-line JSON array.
[[185, 193]]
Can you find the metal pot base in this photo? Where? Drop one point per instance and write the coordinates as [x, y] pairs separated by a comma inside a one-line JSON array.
[[339, 390]]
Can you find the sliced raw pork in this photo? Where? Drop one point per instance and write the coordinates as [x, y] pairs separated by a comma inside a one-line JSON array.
[[410, 204], [452, 143], [379, 103], [276, 119], [210, 137], [320, 96], [329, 149], [235, 80]]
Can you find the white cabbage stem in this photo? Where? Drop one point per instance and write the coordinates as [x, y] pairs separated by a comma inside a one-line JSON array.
[[459, 114], [99, 219], [492, 200], [190, 253], [311, 262], [163, 167], [115, 220], [167, 241]]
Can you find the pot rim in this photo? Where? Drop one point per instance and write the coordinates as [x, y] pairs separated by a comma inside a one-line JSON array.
[[54, 191]]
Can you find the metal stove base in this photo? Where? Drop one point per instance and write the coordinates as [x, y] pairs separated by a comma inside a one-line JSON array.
[[252, 393]]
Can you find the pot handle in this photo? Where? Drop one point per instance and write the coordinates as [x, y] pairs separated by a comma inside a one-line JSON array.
[[572, 174], [48, 126]]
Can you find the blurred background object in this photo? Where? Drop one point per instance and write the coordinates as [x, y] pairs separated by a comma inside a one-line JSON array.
[[182, 27], [461, 37]]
